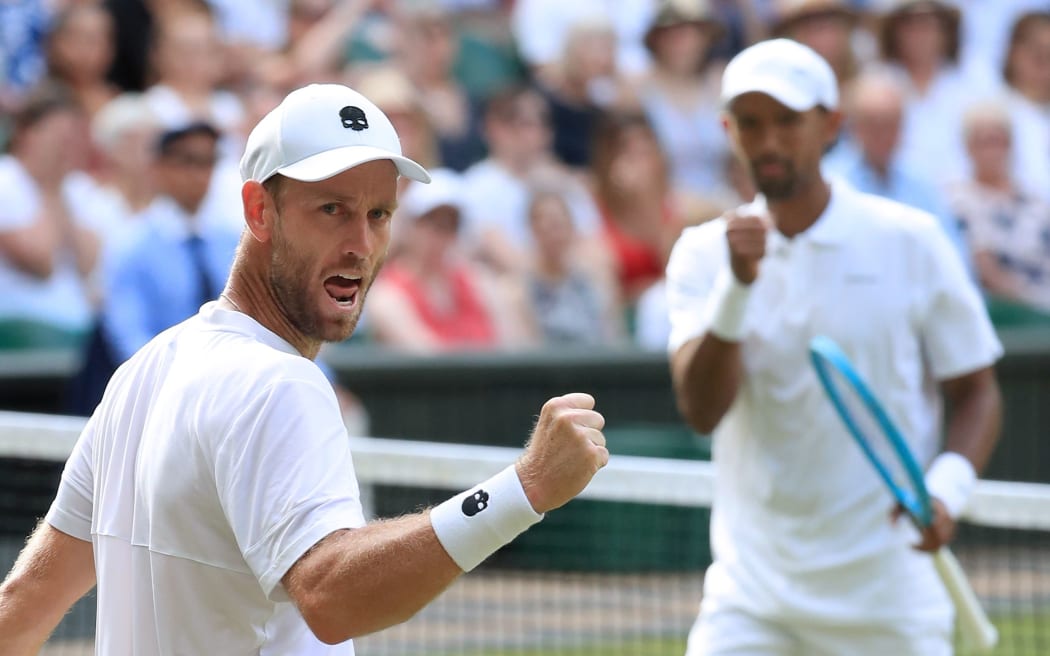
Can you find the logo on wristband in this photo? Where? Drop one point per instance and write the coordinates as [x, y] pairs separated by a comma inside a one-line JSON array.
[[475, 503]]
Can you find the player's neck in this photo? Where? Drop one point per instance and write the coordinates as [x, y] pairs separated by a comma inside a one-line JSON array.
[[250, 294], [796, 214]]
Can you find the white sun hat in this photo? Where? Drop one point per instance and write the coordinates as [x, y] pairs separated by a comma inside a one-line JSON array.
[[319, 131]]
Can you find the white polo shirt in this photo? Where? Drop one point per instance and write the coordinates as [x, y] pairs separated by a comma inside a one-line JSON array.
[[800, 526], [216, 459]]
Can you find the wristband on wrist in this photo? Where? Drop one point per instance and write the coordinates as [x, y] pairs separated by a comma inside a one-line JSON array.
[[726, 309], [472, 525], [952, 479]]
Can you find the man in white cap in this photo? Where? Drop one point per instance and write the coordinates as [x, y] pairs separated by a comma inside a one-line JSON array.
[[807, 557], [212, 494]]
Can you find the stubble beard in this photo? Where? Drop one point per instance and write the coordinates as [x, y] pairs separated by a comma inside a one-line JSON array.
[[290, 285], [776, 188]]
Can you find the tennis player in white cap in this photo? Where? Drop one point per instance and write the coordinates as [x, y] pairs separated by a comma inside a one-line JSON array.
[[212, 494], [807, 559]]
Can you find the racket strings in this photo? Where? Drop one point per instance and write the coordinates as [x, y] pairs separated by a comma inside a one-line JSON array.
[[866, 423]]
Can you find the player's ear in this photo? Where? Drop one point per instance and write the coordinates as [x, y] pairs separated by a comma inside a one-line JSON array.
[[258, 210], [832, 125]]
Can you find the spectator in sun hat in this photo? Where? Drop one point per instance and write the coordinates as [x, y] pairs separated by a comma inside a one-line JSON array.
[[429, 297], [827, 26], [680, 98], [919, 39]]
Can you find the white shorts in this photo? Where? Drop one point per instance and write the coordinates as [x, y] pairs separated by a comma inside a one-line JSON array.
[[733, 632]]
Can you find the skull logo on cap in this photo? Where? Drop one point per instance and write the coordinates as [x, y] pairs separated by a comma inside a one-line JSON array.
[[353, 118]]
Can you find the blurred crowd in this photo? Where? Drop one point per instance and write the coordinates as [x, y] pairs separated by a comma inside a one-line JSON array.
[[571, 141]]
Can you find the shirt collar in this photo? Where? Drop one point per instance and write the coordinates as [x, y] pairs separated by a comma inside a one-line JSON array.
[[223, 319], [831, 227]]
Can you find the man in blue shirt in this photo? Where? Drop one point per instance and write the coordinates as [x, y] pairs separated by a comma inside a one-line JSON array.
[[866, 156], [177, 258], [174, 259]]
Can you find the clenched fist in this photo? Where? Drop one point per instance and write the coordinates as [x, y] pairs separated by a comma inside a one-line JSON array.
[[746, 238], [566, 450]]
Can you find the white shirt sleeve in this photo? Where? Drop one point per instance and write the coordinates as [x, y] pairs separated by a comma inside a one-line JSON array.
[[956, 332], [285, 477], [72, 508], [696, 259]]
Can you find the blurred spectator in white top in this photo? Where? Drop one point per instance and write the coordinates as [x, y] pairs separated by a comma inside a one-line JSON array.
[[868, 159], [124, 131], [580, 86], [542, 27], [986, 26], [428, 46], [826, 26], [48, 247], [80, 52], [1027, 74], [680, 96], [920, 39], [569, 303], [429, 297], [497, 189], [1008, 229], [188, 68]]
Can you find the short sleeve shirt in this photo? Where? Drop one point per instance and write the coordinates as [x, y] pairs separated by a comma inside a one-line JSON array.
[[794, 496], [216, 459]]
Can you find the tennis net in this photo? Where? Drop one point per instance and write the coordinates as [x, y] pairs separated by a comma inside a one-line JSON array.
[[616, 572]]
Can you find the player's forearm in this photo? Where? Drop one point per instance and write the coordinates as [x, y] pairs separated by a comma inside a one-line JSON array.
[[82, 243], [707, 374], [31, 250], [370, 578], [51, 573], [974, 416], [21, 634]]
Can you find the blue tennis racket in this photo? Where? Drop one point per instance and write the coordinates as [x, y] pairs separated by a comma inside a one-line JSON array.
[[887, 450]]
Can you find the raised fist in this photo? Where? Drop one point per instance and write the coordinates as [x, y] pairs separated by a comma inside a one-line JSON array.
[[746, 237], [566, 450]]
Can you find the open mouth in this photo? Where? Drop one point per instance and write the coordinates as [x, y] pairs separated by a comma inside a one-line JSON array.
[[343, 289]]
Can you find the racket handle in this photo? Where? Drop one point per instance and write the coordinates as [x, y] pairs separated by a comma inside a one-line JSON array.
[[976, 628]]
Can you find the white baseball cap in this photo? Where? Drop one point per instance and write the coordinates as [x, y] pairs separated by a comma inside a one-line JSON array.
[[322, 130], [792, 74]]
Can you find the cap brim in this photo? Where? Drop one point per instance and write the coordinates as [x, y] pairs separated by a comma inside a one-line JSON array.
[[782, 92], [333, 162]]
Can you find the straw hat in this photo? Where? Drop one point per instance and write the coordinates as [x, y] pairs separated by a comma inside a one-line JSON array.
[[899, 9], [684, 12], [788, 13]]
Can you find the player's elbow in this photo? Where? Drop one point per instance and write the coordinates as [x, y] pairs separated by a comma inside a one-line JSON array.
[[322, 621], [701, 417], [333, 623]]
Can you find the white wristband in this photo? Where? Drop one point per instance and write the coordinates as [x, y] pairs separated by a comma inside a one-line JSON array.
[[727, 306], [951, 478], [472, 525]]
